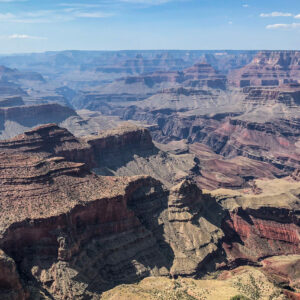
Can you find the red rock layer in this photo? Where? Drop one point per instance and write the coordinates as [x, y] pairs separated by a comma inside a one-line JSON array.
[[269, 68], [71, 234], [252, 235]]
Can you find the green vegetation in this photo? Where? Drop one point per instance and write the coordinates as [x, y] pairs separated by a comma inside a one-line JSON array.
[[253, 290], [239, 297]]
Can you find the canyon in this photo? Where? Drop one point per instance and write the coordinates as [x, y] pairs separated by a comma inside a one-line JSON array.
[[150, 175]]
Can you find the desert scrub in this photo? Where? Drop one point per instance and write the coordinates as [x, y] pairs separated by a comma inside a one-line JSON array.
[[251, 289], [239, 297]]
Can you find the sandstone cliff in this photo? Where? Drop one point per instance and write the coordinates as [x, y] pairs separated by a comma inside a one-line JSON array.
[[74, 234], [269, 68], [67, 233]]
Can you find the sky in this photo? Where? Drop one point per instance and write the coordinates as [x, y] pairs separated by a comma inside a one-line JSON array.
[[49, 25]]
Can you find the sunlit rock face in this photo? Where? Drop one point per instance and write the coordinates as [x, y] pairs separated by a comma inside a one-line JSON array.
[[269, 68], [67, 232]]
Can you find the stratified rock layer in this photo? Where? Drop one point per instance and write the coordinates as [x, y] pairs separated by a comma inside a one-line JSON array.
[[269, 68], [67, 233], [75, 234]]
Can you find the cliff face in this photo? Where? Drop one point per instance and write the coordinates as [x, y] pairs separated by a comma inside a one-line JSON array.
[[142, 86], [262, 225], [7, 74], [274, 142], [129, 151], [141, 65], [269, 68], [17, 119], [73, 233], [67, 233]]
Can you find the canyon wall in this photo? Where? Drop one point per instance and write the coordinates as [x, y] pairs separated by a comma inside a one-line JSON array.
[[67, 232]]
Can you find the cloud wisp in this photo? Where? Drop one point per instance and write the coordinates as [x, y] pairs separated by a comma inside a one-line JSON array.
[[25, 37], [17, 36], [281, 25], [275, 14], [55, 15], [284, 26]]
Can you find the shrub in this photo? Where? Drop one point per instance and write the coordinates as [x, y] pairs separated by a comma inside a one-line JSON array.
[[239, 297]]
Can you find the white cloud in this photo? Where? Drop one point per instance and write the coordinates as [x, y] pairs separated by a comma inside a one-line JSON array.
[[230, 22], [51, 16], [245, 5], [276, 14], [25, 37], [284, 26], [297, 16]]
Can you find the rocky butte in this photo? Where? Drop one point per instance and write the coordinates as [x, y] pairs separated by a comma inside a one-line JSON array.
[[67, 233], [150, 175]]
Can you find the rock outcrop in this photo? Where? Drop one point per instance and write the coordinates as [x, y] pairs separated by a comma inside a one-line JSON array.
[[67, 233], [140, 87], [269, 68], [74, 234], [263, 225], [14, 75], [17, 119]]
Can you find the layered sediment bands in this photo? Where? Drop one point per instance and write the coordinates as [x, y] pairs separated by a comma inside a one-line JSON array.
[[110, 98], [269, 68], [193, 230], [48, 140], [17, 119], [55, 214], [274, 142], [187, 231], [129, 151], [72, 234], [263, 225], [7, 74], [121, 139], [203, 74], [284, 270], [239, 172], [258, 96], [125, 151], [142, 65], [261, 237]]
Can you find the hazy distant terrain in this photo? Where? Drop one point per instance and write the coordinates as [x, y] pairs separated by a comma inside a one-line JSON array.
[[120, 169]]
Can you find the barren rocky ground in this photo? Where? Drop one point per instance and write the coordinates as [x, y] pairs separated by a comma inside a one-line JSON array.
[[150, 176]]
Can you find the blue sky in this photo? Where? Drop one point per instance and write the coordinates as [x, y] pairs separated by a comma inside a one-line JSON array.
[[43, 25]]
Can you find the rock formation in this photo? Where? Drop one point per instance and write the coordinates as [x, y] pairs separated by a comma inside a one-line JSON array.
[[16, 119], [262, 225], [269, 68], [210, 186], [67, 233], [78, 225]]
